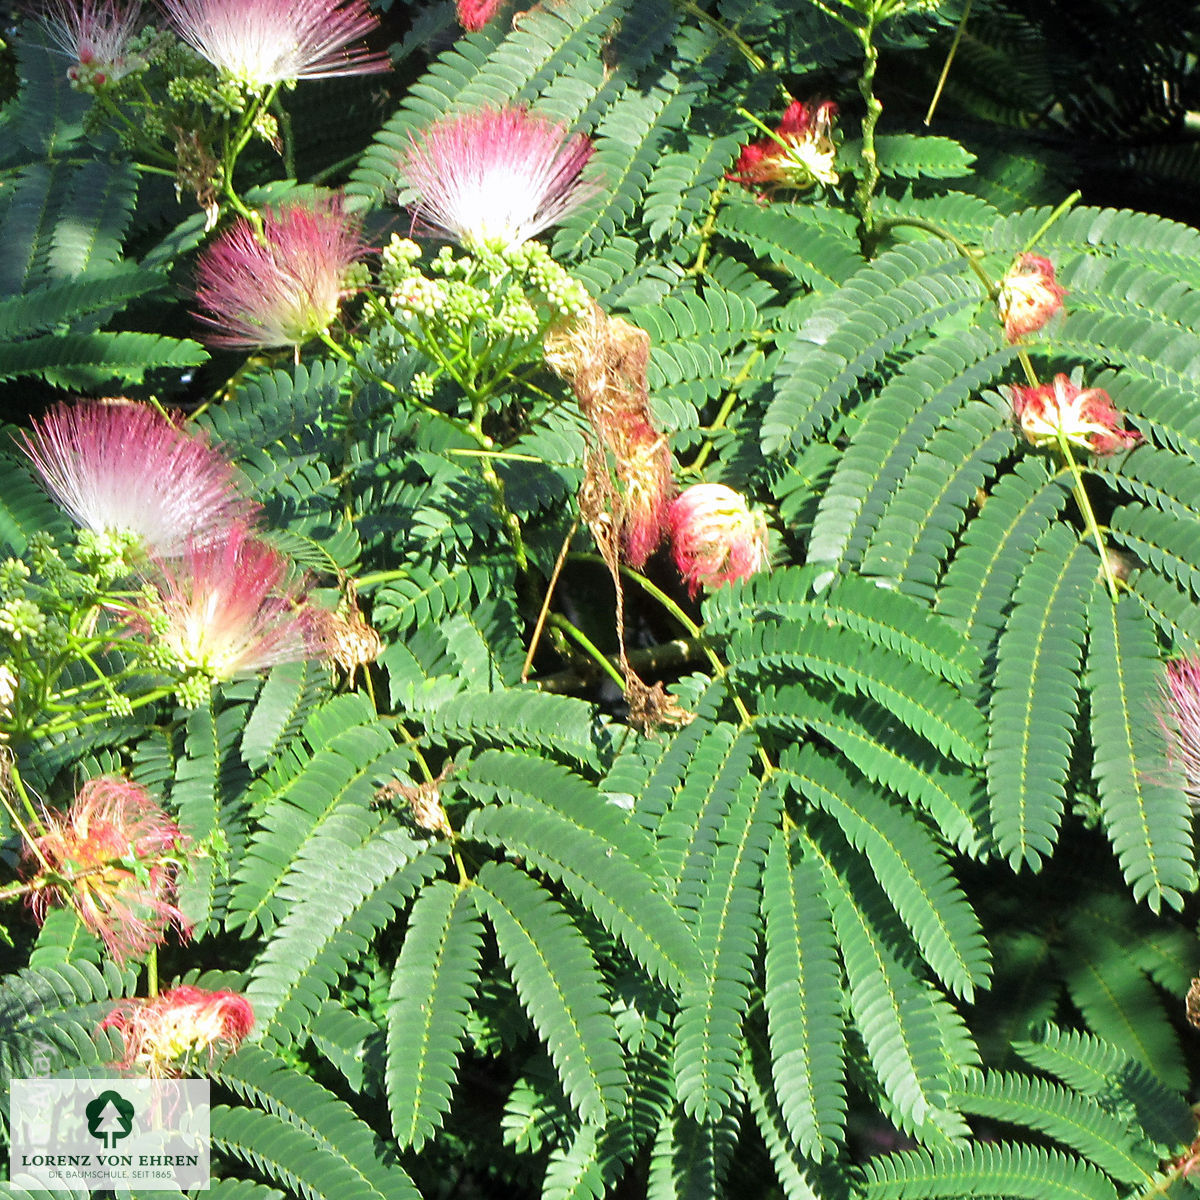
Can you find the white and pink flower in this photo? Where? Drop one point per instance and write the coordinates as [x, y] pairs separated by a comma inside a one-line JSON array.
[[259, 43], [799, 154], [121, 467], [96, 35], [473, 15], [114, 858], [1181, 722], [285, 288], [496, 178], [715, 537], [229, 609], [1085, 417], [1029, 296], [166, 1035]]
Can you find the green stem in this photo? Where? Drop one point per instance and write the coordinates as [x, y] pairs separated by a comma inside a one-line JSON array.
[[653, 590], [941, 83], [1054, 216], [592, 650], [727, 407], [709, 228], [865, 192], [694, 10], [972, 256], [152, 972], [15, 775], [1078, 490], [65, 726]]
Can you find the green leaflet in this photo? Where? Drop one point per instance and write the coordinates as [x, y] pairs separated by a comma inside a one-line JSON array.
[[708, 1043], [803, 999], [559, 985], [1033, 701], [1146, 813], [431, 990], [908, 864]]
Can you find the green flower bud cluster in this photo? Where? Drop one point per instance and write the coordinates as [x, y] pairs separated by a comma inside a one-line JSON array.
[[563, 293], [397, 262], [223, 97], [21, 619], [422, 385], [13, 574], [108, 553], [194, 690], [266, 127]]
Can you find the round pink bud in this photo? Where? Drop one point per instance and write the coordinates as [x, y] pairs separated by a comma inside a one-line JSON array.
[[715, 537], [1029, 296]]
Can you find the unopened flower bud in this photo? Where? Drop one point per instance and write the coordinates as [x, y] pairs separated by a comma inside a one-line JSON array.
[[715, 537]]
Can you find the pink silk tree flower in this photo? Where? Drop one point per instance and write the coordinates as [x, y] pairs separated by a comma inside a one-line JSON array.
[[166, 1035], [95, 35], [800, 154], [120, 467], [1029, 296], [715, 538], [260, 43], [227, 609], [286, 288], [1085, 417], [114, 858], [473, 15], [1181, 722], [496, 178]]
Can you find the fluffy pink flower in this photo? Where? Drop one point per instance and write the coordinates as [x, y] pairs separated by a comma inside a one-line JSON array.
[[1085, 417], [1029, 296], [114, 858], [122, 467], [801, 153], [227, 609], [1181, 723], [497, 178], [285, 289], [264, 42], [473, 15], [96, 35], [715, 537], [166, 1034]]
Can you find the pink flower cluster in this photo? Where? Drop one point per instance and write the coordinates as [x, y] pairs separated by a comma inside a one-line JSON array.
[[96, 35], [165, 1035], [1029, 296], [496, 178], [799, 154], [1180, 721], [1084, 417], [260, 43], [223, 602], [281, 285], [113, 857], [715, 537]]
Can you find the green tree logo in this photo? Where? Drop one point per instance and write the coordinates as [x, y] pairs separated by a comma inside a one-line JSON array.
[[109, 1118]]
